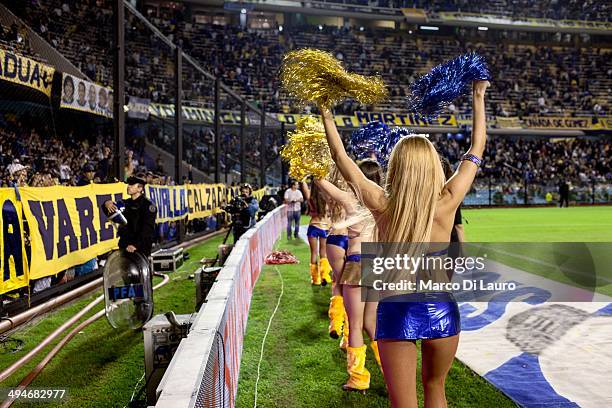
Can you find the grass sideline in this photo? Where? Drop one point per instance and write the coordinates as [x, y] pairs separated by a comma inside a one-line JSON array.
[[100, 367], [539, 224], [303, 366]]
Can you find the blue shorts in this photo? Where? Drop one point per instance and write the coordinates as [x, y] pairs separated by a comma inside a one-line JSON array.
[[354, 258], [414, 316], [338, 240], [316, 232]]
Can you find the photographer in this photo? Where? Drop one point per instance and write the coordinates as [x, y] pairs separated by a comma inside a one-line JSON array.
[[243, 209]]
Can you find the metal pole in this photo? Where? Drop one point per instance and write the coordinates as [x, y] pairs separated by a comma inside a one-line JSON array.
[[178, 117], [262, 150], [283, 164], [119, 88], [242, 142], [178, 135], [217, 131]]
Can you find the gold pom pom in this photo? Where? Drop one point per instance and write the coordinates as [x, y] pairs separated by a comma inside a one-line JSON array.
[[307, 151], [312, 75]]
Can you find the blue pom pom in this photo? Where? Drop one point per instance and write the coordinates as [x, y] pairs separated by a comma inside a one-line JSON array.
[[377, 138], [433, 92]]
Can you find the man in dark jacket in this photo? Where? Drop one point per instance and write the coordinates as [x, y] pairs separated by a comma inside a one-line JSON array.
[[140, 212]]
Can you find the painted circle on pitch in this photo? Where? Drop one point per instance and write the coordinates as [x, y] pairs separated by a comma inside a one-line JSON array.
[[577, 364]]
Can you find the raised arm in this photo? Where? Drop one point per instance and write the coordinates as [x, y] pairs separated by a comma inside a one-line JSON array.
[[371, 193], [459, 184], [346, 199], [305, 190]]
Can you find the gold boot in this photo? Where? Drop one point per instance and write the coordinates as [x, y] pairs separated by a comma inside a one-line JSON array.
[[345, 333], [374, 346], [336, 316], [315, 275], [359, 376], [325, 269]]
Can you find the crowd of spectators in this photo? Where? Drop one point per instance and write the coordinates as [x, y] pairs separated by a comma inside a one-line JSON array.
[[544, 78], [35, 156], [598, 10], [579, 160]]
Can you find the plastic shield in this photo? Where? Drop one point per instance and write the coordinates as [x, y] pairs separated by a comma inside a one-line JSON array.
[[128, 290]]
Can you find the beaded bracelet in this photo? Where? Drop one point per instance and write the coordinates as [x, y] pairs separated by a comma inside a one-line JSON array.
[[474, 159]]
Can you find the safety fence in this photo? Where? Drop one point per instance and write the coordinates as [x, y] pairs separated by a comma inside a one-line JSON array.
[[204, 370], [47, 230]]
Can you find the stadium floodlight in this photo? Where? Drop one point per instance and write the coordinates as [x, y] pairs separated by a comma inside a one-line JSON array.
[[430, 28], [483, 28]]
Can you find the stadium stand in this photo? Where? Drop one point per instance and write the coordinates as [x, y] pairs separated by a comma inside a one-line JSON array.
[[568, 83], [553, 9]]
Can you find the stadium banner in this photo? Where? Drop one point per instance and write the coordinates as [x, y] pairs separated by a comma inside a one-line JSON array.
[[14, 270], [352, 121], [67, 225], [25, 71], [85, 96], [560, 122], [390, 118], [138, 108], [196, 114], [414, 14], [170, 201], [204, 200], [512, 122]]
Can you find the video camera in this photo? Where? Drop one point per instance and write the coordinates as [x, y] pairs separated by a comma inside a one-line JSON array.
[[235, 207]]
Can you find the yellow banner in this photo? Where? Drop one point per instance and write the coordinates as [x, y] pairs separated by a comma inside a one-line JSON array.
[[67, 225], [394, 119], [258, 194], [508, 122], [14, 267], [415, 13], [25, 71], [560, 122], [204, 200]]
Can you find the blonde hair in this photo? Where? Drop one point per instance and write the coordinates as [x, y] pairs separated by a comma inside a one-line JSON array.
[[413, 185]]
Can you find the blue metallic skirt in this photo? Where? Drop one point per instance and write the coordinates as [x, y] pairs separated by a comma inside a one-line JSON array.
[[338, 240], [316, 232], [414, 316]]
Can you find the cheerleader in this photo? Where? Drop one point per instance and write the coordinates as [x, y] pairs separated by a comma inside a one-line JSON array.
[[318, 230], [361, 315], [417, 205]]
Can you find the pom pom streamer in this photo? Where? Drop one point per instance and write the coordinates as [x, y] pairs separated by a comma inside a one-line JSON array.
[[433, 92], [306, 150], [311, 75], [378, 138]]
